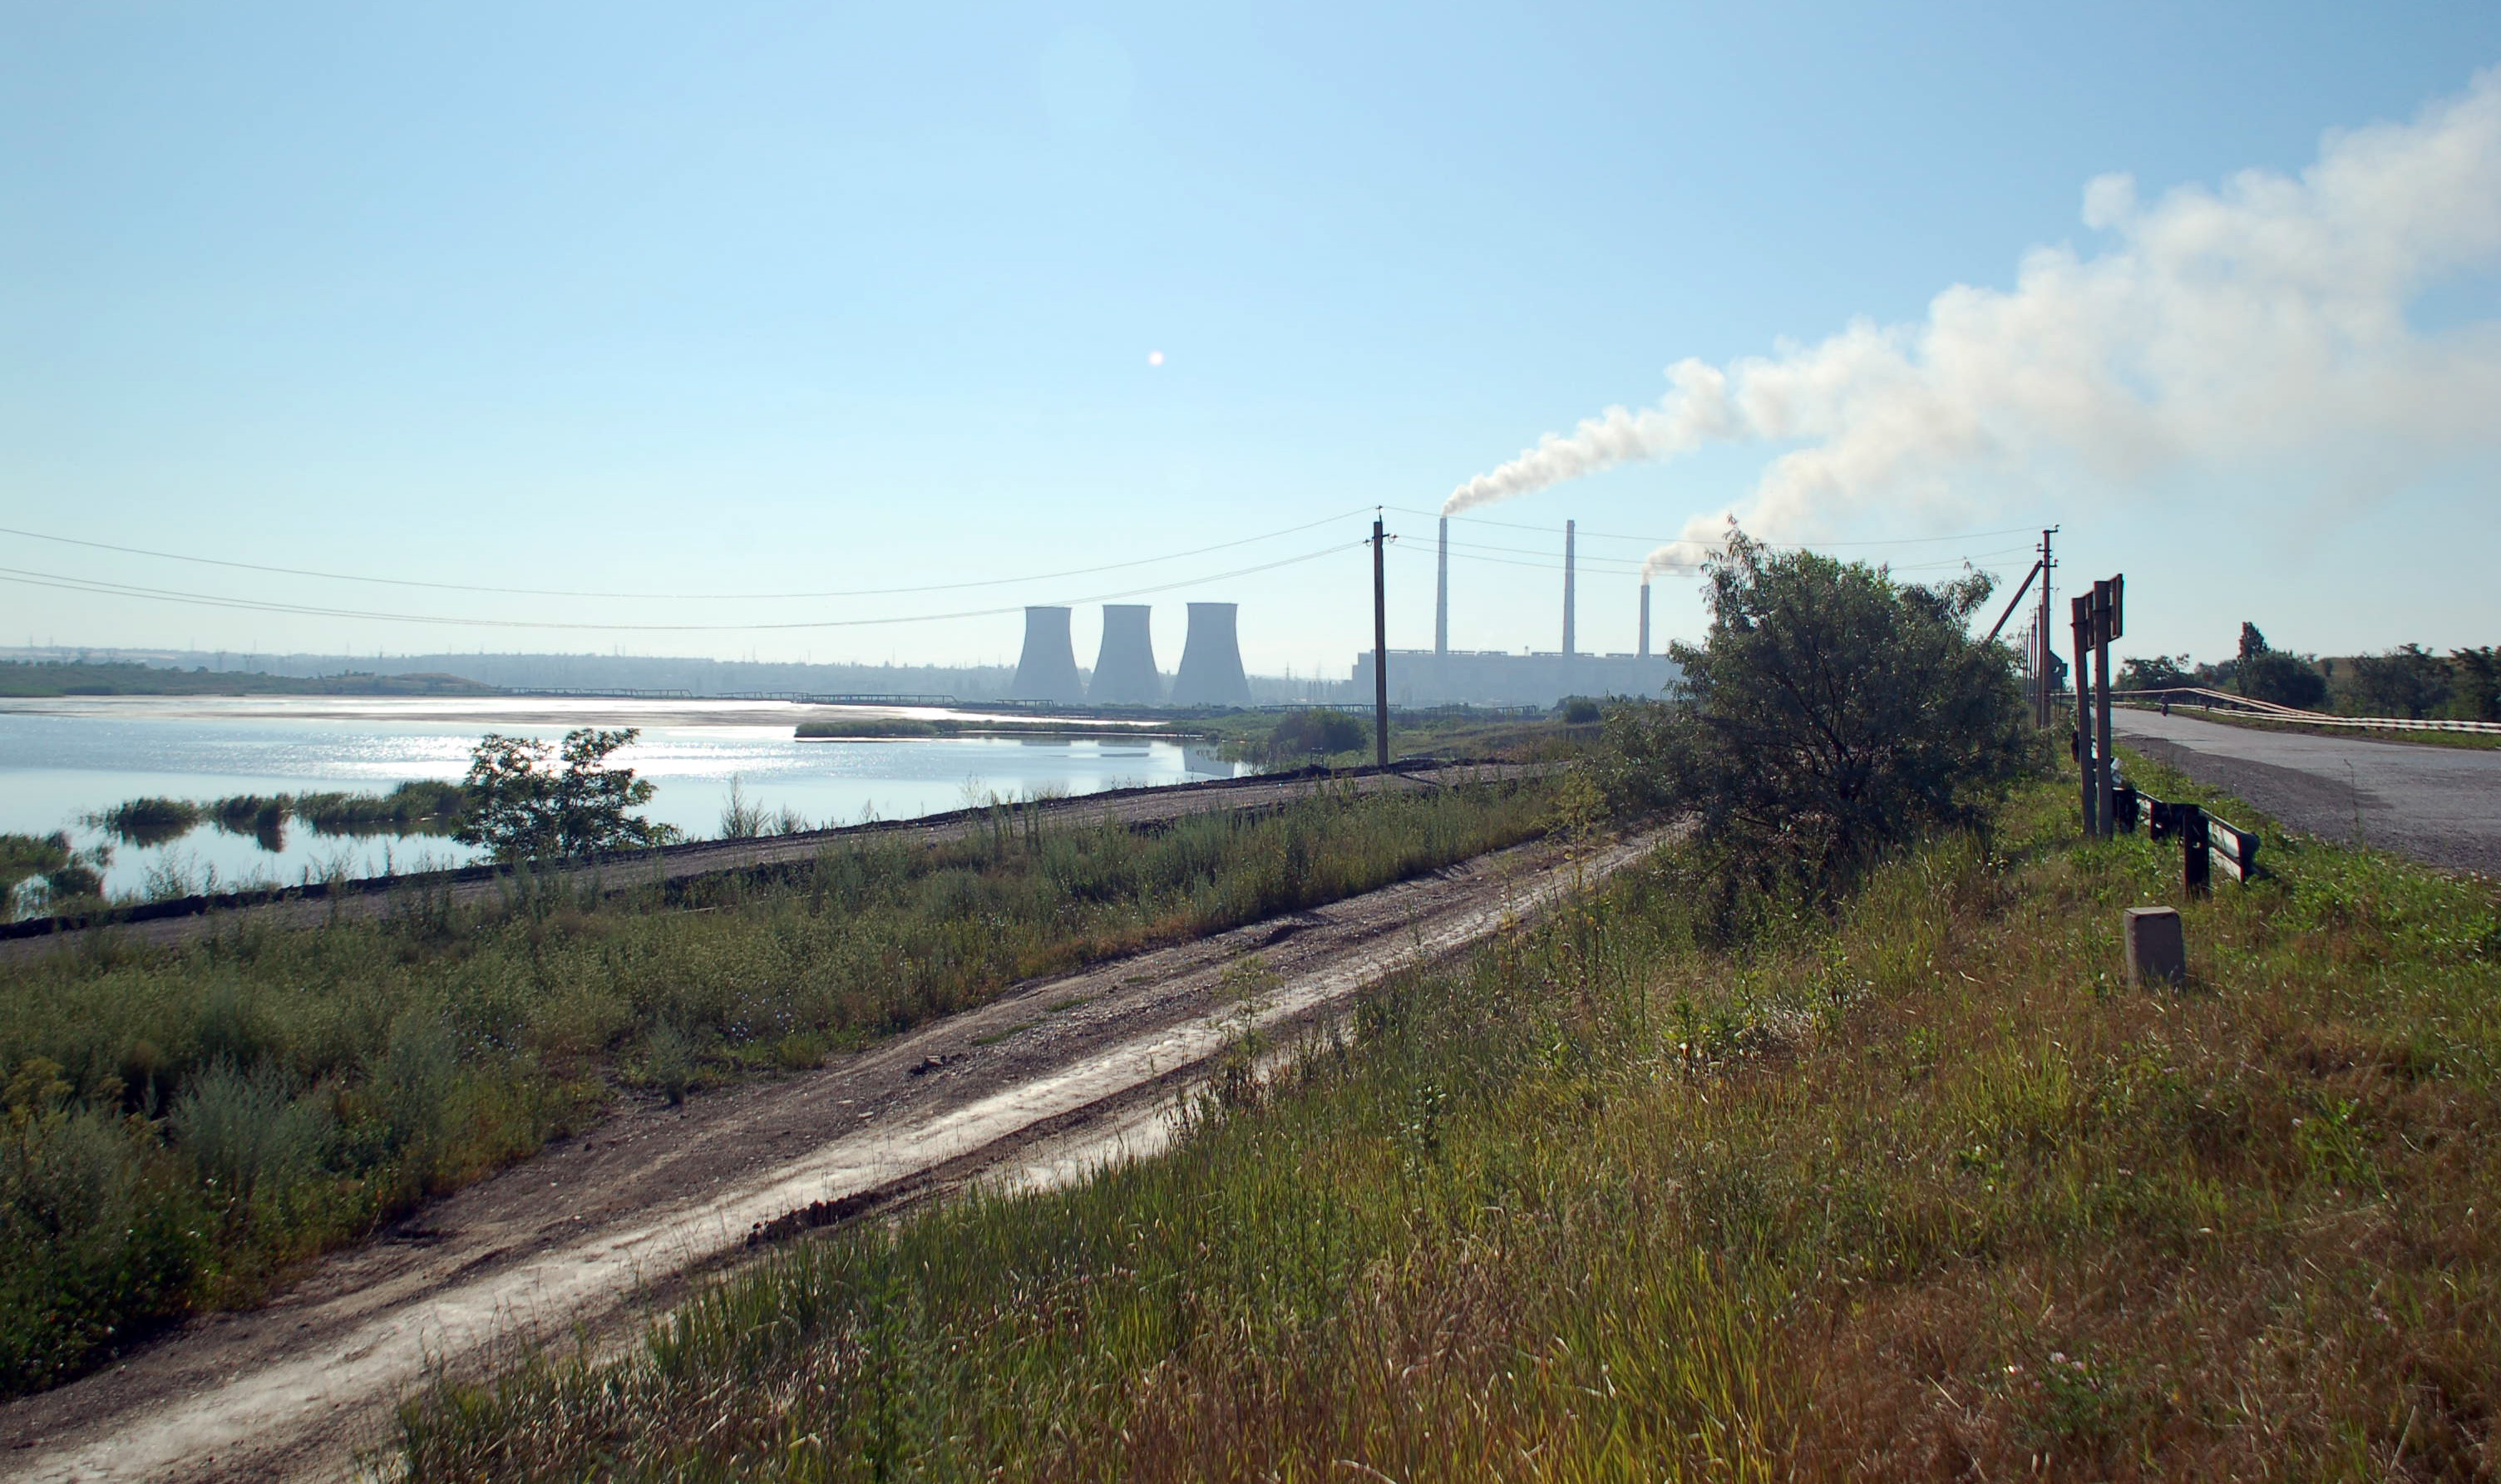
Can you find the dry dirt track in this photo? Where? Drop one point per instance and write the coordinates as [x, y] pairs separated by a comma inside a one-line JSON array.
[[1052, 1078], [677, 863]]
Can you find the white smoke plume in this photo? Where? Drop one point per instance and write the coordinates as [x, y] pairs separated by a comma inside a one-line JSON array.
[[2258, 322]]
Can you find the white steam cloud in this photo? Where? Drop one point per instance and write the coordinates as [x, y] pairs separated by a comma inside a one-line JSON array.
[[2264, 320]]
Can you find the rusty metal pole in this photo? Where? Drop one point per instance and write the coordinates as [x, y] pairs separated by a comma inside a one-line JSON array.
[[2080, 613], [2107, 598], [1380, 653]]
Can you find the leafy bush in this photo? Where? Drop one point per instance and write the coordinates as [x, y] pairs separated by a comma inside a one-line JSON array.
[[1829, 715], [1299, 734], [1580, 712], [2286, 679], [523, 809]]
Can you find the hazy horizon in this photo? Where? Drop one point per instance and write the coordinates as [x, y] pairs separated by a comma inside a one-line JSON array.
[[973, 308]]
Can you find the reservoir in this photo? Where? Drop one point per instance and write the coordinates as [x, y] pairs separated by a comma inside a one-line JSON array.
[[64, 759]]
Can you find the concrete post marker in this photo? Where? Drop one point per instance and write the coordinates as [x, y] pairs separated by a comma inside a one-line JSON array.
[[2156, 949]]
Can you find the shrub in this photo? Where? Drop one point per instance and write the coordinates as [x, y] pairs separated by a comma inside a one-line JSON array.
[[1830, 713], [2286, 679], [1300, 733]]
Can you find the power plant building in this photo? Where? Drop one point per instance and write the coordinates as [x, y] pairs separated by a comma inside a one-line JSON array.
[[1444, 676], [1125, 670], [1047, 670], [1211, 659]]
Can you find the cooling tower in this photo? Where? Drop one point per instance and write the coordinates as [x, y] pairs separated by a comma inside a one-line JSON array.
[[1047, 671], [1644, 650], [1568, 533], [1211, 659], [1442, 594], [1124, 672]]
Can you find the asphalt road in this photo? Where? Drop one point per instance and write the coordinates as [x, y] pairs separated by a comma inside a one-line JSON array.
[[2441, 806]]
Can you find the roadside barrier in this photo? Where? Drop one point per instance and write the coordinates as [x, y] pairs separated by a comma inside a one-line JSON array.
[[2204, 698], [2206, 841]]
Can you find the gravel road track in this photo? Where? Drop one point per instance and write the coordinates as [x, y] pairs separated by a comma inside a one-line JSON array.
[[1053, 1077]]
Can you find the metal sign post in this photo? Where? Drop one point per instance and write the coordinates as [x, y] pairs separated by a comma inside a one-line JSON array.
[[2080, 615], [2106, 601]]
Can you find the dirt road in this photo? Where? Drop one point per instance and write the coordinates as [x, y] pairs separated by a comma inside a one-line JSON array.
[[200, 917], [2438, 804], [1053, 1078]]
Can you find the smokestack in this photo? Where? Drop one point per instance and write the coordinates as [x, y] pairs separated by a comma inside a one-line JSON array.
[[1568, 535], [1644, 621], [1047, 671], [1211, 659], [1125, 671], [1442, 595]]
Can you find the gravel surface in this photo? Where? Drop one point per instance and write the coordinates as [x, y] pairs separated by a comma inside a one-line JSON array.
[[2441, 806]]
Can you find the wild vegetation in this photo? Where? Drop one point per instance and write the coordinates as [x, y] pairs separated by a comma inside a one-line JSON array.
[[183, 1124], [416, 806], [2409, 682], [1847, 1158], [1912, 1187]]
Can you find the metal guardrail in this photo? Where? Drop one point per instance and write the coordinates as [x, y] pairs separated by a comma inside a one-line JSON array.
[[2207, 699], [2206, 841]]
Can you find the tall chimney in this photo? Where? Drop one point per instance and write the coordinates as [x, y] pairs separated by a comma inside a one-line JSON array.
[[1644, 621], [1569, 647], [1442, 595], [1211, 659], [1124, 672], [1047, 671]]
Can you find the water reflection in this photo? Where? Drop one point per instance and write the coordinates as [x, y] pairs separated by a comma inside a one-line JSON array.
[[289, 794]]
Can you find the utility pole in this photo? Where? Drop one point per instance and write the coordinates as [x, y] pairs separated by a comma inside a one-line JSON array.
[[1379, 652], [2041, 675]]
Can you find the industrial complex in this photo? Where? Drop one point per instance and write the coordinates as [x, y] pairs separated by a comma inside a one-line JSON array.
[[1211, 671]]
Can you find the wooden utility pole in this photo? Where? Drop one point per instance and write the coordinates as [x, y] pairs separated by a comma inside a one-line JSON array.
[[2041, 679], [1379, 652]]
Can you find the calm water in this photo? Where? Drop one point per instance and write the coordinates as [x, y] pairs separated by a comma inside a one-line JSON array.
[[60, 760]]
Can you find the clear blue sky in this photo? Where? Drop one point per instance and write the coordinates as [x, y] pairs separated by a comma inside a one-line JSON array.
[[758, 298]]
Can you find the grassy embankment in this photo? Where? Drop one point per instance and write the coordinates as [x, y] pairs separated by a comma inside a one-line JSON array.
[[1921, 1190], [184, 1122], [44, 679]]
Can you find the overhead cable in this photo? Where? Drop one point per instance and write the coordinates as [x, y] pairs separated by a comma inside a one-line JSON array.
[[211, 600], [565, 593]]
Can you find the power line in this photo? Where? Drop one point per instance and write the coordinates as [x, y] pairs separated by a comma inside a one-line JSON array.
[[563, 592], [211, 600]]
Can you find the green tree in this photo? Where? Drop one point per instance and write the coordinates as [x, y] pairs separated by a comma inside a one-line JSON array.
[[2286, 680], [2409, 682], [522, 809], [2162, 672], [1830, 713], [2478, 693]]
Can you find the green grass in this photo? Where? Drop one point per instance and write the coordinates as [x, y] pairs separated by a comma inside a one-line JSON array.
[[187, 1123], [1920, 1190]]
